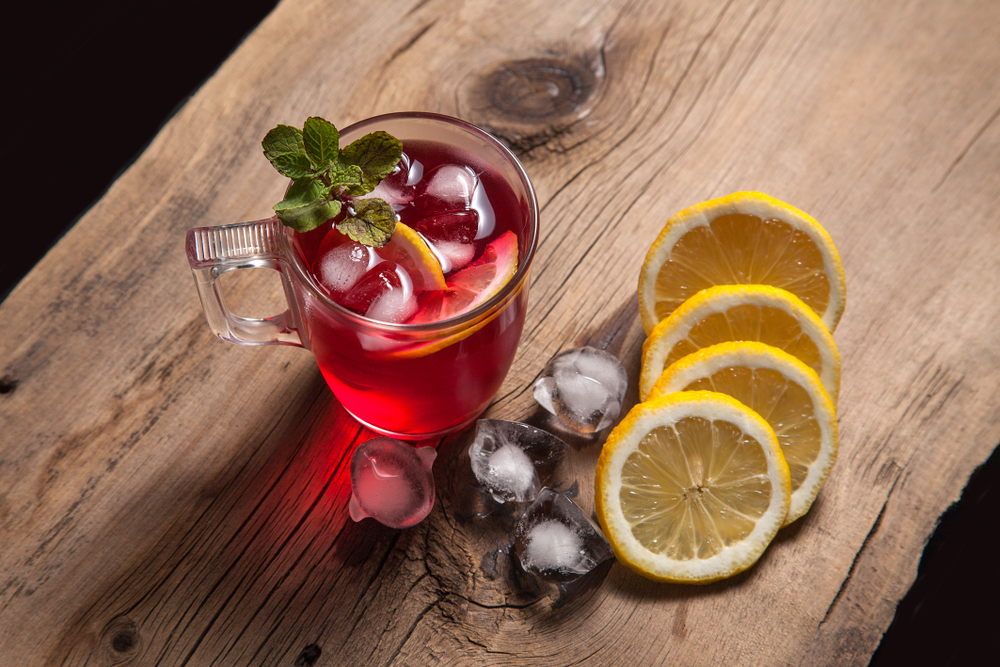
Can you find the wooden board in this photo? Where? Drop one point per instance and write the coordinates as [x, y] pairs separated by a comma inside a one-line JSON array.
[[170, 499]]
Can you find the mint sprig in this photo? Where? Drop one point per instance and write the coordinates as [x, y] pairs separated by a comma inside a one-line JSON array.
[[326, 180]]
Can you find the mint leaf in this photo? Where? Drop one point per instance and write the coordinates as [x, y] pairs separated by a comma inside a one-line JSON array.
[[371, 222], [293, 166], [322, 142], [303, 191], [324, 178], [284, 148], [340, 174], [310, 216], [377, 154], [307, 205]]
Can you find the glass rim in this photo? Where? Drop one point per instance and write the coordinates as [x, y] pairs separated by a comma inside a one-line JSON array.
[[509, 289]]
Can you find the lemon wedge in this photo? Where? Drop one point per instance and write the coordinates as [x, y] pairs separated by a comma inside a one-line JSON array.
[[466, 290]]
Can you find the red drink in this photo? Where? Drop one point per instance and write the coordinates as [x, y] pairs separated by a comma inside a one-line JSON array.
[[416, 377]]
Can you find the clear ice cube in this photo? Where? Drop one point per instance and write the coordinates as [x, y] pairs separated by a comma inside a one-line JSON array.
[[396, 304], [512, 460], [556, 541], [391, 482], [449, 187], [453, 256], [454, 226], [584, 388], [450, 235], [342, 267]]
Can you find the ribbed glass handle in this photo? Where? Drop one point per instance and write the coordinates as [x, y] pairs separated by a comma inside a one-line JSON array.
[[245, 240], [212, 251]]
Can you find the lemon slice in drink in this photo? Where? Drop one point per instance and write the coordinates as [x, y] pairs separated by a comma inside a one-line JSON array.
[[474, 284], [782, 390], [742, 313], [691, 487], [409, 250], [746, 238], [466, 290]]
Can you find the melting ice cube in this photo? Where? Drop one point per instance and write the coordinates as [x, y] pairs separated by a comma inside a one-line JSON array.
[[396, 304], [342, 267], [512, 460], [556, 541], [583, 387], [449, 187], [450, 235], [392, 482]]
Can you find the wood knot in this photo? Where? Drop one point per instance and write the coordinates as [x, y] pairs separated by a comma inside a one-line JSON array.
[[310, 654], [8, 383], [528, 103], [540, 88], [120, 641]]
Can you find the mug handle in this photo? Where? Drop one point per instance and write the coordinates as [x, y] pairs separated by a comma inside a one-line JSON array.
[[212, 251]]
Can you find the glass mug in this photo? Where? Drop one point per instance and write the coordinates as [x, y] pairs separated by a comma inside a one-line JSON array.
[[409, 381]]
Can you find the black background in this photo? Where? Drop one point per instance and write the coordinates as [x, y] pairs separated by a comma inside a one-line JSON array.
[[103, 78]]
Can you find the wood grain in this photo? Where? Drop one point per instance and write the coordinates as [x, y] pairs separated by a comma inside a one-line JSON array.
[[171, 500]]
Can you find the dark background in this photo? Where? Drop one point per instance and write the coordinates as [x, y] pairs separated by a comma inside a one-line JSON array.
[[110, 74]]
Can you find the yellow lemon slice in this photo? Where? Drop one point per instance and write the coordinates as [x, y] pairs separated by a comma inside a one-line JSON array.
[[746, 238], [465, 290], [782, 390], [742, 313], [408, 248], [691, 487]]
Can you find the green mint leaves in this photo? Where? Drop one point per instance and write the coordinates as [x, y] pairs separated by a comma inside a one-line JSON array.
[[325, 178], [372, 222]]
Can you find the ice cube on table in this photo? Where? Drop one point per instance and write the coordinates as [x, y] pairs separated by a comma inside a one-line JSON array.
[[512, 460], [449, 187], [584, 388], [556, 541], [391, 482]]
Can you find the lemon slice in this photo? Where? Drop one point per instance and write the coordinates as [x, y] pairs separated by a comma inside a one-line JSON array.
[[474, 284], [408, 248], [465, 290], [742, 313], [691, 487], [782, 390], [746, 238]]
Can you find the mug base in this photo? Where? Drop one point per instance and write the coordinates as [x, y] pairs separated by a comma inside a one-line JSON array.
[[418, 436]]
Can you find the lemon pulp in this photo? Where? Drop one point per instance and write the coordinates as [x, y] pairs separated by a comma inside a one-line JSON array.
[[692, 489], [739, 248]]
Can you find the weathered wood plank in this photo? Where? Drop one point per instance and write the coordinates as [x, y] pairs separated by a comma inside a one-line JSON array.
[[169, 499]]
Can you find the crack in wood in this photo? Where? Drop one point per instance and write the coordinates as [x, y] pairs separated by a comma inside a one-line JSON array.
[[965, 150], [861, 552], [406, 47]]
